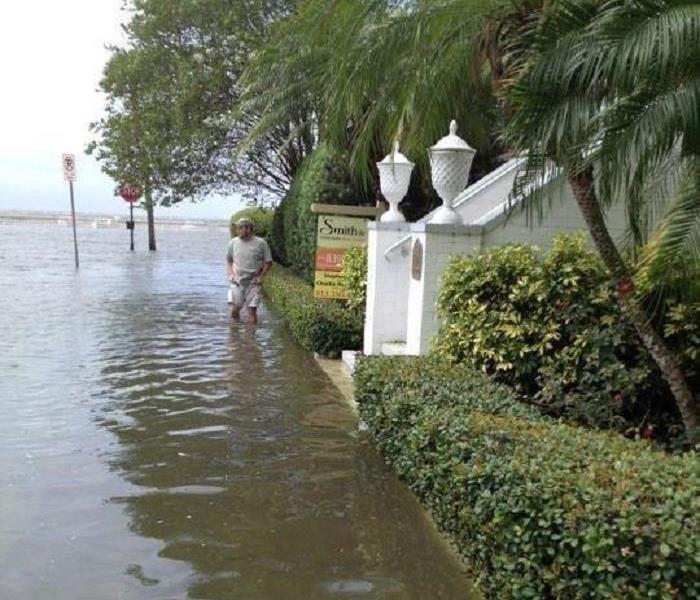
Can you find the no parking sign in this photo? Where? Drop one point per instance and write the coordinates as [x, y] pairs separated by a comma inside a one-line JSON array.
[[68, 161]]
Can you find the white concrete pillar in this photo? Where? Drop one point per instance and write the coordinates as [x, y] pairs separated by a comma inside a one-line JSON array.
[[439, 244], [388, 255]]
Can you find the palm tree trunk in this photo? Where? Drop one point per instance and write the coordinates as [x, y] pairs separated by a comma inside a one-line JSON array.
[[151, 223], [582, 185]]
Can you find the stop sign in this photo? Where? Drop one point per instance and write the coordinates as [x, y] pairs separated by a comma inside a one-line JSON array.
[[130, 193]]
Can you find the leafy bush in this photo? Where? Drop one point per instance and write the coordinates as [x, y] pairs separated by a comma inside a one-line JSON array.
[[323, 178], [323, 326], [549, 325], [538, 509], [682, 332], [489, 307], [261, 217], [355, 270]]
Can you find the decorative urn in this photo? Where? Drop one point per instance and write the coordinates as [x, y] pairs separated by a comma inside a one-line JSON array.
[[394, 178], [450, 162]]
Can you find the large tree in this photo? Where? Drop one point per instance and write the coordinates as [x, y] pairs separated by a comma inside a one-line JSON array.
[[606, 92], [364, 74], [168, 125], [610, 91]]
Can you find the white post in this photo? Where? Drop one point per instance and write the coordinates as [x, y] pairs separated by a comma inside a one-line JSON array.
[[387, 284], [439, 244]]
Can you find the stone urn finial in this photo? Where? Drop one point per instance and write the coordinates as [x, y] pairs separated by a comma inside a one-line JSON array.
[[394, 178], [450, 162]]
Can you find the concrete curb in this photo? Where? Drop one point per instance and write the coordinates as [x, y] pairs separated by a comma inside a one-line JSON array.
[[338, 372]]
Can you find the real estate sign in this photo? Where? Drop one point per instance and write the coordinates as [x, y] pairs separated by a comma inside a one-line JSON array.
[[335, 235]]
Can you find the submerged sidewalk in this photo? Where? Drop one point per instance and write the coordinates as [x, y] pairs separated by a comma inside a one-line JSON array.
[[339, 373]]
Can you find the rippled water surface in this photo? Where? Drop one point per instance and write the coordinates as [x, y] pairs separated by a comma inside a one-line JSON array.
[[149, 449]]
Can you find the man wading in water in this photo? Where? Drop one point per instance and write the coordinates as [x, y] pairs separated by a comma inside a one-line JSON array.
[[248, 258]]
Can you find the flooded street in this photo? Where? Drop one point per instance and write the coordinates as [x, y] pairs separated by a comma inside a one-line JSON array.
[[151, 450]]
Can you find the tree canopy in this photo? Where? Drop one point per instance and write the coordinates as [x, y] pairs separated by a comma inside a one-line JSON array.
[[168, 124], [223, 95]]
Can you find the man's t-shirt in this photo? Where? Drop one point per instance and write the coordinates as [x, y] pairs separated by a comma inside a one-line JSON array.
[[248, 256]]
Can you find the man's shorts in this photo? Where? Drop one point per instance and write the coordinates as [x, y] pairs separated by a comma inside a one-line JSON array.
[[244, 295]]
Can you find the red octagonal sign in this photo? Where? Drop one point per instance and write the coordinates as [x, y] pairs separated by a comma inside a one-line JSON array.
[[130, 193]]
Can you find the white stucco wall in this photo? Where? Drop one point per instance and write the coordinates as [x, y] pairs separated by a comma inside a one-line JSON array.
[[401, 308], [387, 285], [440, 244], [561, 216]]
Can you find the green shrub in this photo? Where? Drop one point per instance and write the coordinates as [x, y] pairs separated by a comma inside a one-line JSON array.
[[323, 178], [261, 217], [322, 326], [489, 308], [284, 221], [355, 270], [538, 509], [550, 326], [682, 332]]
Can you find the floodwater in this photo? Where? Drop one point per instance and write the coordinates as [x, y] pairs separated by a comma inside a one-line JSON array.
[[150, 449]]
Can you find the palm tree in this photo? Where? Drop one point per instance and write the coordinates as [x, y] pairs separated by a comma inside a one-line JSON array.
[[607, 89], [367, 73], [611, 92]]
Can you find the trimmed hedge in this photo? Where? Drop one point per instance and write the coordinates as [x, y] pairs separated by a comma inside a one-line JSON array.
[[322, 326], [323, 177], [261, 217], [538, 509]]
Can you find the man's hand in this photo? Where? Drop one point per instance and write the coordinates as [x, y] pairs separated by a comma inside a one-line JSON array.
[[259, 277]]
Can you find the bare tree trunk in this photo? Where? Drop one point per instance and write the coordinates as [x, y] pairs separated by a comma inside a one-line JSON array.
[[583, 187], [151, 223]]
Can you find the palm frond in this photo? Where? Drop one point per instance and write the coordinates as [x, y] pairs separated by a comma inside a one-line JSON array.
[[671, 259]]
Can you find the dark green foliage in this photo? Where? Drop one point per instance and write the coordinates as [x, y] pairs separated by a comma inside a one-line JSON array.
[[682, 331], [355, 270], [322, 326], [550, 326], [538, 509], [432, 380], [169, 91], [261, 217], [323, 178]]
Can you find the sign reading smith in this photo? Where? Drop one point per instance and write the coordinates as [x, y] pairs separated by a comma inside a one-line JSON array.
[[334, 236]]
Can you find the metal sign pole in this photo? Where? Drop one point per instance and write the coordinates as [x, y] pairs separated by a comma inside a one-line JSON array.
[[75, 236], [131, 212], [68, 161]]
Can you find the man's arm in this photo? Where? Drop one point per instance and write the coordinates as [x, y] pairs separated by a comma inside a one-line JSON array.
[[231, 266], [267, 263]]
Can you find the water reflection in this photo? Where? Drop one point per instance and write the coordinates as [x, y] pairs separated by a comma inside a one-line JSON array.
[[223, 464], [250, 469]]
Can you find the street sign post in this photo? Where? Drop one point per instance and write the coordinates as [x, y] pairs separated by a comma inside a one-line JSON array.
[[68, 161], [130, 194]]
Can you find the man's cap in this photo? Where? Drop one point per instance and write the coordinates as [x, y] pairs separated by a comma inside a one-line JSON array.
[[244, 221]]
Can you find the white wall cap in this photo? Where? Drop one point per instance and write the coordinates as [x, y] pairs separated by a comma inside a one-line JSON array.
[[447, 229], [481, 185], [389, 226]]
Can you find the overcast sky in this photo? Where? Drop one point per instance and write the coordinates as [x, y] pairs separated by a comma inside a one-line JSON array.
[[51, 59]]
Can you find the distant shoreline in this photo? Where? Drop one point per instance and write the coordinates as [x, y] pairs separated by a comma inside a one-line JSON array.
[[99, 221]]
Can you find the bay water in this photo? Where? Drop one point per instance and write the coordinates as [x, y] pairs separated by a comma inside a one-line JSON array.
[[149, 449]]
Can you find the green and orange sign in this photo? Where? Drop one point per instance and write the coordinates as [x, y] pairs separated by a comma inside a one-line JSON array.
[[335, 235]]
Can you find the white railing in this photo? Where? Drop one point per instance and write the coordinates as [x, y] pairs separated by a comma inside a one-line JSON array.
[[400, 244]]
